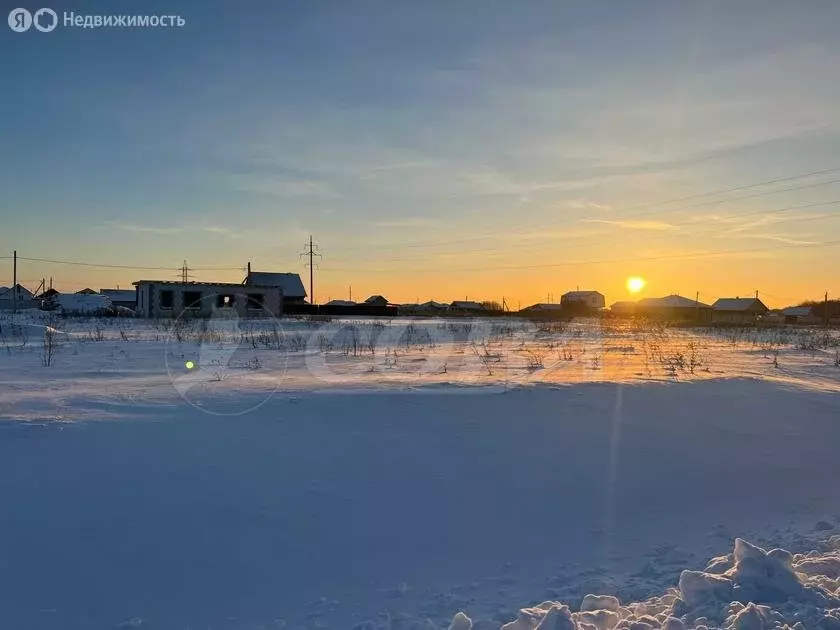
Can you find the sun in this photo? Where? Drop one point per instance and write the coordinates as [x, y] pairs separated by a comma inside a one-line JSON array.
[[635, 284]]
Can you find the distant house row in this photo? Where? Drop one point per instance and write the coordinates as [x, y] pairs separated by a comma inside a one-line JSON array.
[[278, 293], [430, 307], [735, 310], [573, 302]]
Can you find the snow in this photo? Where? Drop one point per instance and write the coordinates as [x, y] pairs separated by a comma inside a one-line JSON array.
[[297, 479]]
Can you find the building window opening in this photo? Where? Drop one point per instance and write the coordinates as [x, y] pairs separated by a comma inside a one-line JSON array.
[[225, 301], [192, 299]]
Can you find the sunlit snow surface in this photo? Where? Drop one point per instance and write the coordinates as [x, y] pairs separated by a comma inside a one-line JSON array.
[[389, 474]]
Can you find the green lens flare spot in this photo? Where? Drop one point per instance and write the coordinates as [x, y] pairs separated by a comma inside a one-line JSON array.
[[189, 365]]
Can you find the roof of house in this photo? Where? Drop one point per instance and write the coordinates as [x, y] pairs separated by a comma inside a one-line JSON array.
[[374, 299], [797, 311], [193, 283], [581, 294], [290, 283], [120, 295], [22, 291], [433, 304], [737, 304], [467, 305], [624, 304], [542, 306], [340, 303], [671, 301]]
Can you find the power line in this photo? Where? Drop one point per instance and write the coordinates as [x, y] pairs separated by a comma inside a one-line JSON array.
[[109, 266]]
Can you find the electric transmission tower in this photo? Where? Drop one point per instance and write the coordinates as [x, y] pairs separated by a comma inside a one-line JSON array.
[[184, 273], [311, 250]]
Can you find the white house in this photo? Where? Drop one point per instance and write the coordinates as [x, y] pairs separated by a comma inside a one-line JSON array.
[[586, 299]]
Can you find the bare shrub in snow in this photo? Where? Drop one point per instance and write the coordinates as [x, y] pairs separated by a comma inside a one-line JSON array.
[[50, 344]]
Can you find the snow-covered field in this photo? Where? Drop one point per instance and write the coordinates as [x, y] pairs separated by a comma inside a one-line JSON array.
[[295, 474]]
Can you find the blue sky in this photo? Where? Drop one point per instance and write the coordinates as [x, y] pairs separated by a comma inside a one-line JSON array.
[[434, 149]]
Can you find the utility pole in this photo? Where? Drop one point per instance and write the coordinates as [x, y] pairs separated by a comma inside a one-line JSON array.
[[697, 307], [825, 310], [311, 251], [14, 283]]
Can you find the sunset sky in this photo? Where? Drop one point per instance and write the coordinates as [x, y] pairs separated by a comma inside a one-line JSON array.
[[435, 150]]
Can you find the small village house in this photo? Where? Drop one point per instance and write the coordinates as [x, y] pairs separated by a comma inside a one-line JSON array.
[[376, 300], [674, 308], [466, 306], [738, 310], [431, 306], [583, 301], [121, 298], [799, 315], [289, 284], [543, 310], [21, 298]]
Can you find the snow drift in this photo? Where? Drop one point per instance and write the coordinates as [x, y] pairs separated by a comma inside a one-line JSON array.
[[748, 589]]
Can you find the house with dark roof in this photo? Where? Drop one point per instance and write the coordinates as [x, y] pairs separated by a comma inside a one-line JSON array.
[[377, 300], [799, 315], [467, 306], [543, 310], [738, 310], [674, 308], [289, 284]]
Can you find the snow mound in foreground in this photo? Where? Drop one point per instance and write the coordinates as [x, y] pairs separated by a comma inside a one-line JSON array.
[[748, 589]]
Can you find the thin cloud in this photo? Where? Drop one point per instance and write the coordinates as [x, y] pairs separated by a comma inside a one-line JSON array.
[[407, 222], [283, 187], [172, 230], [580, 204], [656, 226], [780, 238], [376, 171], [144, 229]]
